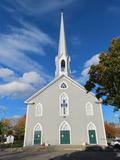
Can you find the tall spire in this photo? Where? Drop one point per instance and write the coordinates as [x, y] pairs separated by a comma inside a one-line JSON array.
[[62, 42], [62, 60]]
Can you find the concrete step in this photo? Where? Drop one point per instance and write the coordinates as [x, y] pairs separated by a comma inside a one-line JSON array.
[[55, 148]]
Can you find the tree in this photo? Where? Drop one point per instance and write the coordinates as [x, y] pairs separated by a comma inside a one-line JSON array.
[[104, 78], [5, 126], [1, 128], [12, 127], [118, 131], [20, 127], [110, 130]]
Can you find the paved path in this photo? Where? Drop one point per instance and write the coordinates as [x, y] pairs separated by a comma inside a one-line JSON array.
[[55, 155], [90, 156], [26, 155]]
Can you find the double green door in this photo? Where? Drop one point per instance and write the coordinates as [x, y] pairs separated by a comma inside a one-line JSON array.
[[92, 137], [37, 137], [65, 137]]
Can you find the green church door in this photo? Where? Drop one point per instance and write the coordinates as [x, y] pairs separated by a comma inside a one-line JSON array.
[[64, 137], [92, 137], [37, 137]]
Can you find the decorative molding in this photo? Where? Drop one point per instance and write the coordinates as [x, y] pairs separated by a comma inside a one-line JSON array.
[[63, 83]]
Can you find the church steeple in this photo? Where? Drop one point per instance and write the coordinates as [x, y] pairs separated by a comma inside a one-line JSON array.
[[62, 59], [62, 41]]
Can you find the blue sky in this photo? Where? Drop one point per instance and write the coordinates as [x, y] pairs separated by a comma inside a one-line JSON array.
[[29, 33]]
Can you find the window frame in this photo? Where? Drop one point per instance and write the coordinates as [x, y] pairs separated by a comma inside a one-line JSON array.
[[40, 108], [61, 110], [65, 84], [89, 109]]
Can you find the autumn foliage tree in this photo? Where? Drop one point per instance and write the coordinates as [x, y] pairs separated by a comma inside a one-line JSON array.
[[104, 77], [110, 130], [20, 128], [13, 126]]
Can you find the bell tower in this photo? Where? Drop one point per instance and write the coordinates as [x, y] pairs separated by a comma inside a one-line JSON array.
[[62, 60]]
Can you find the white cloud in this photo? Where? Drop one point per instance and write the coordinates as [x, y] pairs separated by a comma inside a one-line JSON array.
[[85, 71], [15, 89], [22, 74], [84, 74], [94, 60], [6, 74], [20, 86], [26, 75], [31, 77], [19, 43], [30, 7]]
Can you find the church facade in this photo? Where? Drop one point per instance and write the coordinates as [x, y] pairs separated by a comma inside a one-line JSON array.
[[62, 112]]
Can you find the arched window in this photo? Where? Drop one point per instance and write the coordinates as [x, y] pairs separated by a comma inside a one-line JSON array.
[[38, 109], [63, 65], [89, 109], [64, 105], [92, 134]]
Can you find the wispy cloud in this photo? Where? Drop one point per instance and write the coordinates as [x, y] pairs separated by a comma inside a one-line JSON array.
[[6, 74], [9, 9], [17, 45], [37, 7], [20, 74], [84, 74]]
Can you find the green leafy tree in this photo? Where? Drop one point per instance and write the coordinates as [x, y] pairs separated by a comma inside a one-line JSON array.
[[5, 126], [104, 78], [1, 128]]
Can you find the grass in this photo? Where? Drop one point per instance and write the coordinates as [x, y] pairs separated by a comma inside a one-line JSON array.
[[16, 144]]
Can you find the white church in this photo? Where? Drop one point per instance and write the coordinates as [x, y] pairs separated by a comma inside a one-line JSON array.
[[62, 112]]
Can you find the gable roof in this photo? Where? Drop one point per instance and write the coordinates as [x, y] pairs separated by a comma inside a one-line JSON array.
[[52, 82]]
